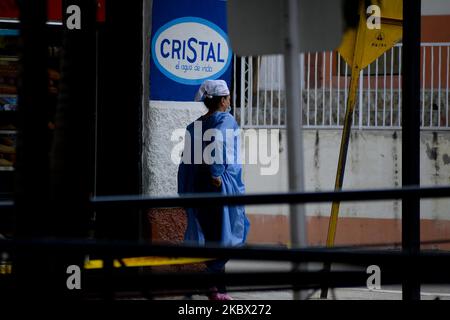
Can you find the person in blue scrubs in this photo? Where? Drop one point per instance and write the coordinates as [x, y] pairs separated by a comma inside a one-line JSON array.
[[215, 167]]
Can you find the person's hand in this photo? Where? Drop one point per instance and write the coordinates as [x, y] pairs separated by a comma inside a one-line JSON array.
[[216, 181]]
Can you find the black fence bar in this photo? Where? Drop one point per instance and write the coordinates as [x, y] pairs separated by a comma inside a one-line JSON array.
[[258, 253], [32, 173], [194, 282], [6, 204], [411, 138], [125, 81], [206, 200], [298, 280], [95, 282]]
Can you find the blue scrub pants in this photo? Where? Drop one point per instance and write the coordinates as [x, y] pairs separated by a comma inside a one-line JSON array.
[[210, 220]]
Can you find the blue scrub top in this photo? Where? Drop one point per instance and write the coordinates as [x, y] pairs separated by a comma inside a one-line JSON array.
[[193, 179]]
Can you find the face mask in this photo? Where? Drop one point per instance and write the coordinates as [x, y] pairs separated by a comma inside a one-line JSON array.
[[228, 109]]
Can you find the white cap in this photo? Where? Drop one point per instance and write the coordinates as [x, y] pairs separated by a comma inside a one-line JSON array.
[[212, 88]]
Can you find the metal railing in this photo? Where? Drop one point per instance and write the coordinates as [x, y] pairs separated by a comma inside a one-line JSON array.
[[259, 96], [429, 267]]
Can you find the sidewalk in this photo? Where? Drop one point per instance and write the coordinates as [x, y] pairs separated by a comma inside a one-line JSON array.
[[386, 293]]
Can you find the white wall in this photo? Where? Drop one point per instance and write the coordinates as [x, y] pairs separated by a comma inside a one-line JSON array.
[[374, 161], [161, 119], [435, 7]]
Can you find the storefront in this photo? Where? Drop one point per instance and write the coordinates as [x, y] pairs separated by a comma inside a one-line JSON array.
[[9, 75], [106, 99], [8, 106]]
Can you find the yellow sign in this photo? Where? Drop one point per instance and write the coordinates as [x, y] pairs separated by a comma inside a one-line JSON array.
[[359, 48], [6, 268], [144, 262], [369, 43]]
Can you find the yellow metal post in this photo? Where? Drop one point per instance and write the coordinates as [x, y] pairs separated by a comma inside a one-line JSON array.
[[343, 154], [360, 48]]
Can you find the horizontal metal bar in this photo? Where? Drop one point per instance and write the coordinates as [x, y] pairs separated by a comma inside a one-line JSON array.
[[6, 204], [206, 200], [123, 249], [339, 127], [214, 199], [16, 21], [198, 280], [264, 126], [365, 128], [201, 281], [427, 44], [298, 280], [432, 44]]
